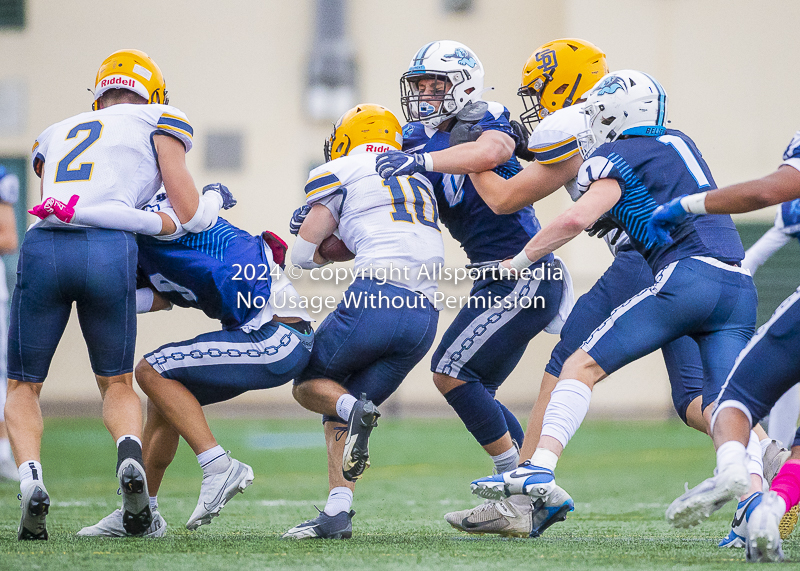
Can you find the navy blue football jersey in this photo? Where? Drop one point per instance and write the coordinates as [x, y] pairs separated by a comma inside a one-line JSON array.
[[652, 171], [209, 270], [482, 234]]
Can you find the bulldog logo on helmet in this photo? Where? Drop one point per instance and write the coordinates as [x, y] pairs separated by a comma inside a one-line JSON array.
[[464, 57], [610, 85]]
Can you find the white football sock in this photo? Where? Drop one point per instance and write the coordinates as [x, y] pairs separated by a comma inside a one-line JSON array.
[[344, 406], [214, 460], [729, 454], [569, 403], [339, 500], [755, 461], [544, 458], [29, 471], [506, 461]]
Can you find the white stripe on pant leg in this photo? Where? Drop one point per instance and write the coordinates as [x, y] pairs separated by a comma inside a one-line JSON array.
[[606, 326], [457, 355], [225, 353], [762, 331]]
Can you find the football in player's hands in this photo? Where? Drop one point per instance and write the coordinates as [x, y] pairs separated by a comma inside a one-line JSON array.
[[333, 248]]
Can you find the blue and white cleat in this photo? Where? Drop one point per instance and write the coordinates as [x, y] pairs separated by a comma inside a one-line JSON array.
[[526, 479], [552, 510], [738, 534], [763, 532], [324, 526], [708, 496]]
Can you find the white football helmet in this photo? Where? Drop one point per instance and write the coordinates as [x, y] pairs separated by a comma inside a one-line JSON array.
[[445, 60], [623, 103]]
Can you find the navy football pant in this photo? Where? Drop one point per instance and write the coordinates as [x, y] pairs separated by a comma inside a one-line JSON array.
[[712, 302], [91, 267], [769, 365], [485, 342], [629, 274], [371, 349], [220, 365]]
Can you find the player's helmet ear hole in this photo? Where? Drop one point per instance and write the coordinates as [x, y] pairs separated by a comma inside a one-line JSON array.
[[608, 120], [561, 89]]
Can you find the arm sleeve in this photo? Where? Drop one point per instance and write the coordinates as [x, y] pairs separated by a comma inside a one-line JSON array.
[[207, 213], [594, 169], [772, 241], [551, 146], [119, 218]]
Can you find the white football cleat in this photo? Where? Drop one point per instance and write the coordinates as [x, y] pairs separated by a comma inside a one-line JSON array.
[[136, 514], [217, 489], [510, 517], [708, 496], [111, 526], [763, 532], [35, 505], [526, 479]]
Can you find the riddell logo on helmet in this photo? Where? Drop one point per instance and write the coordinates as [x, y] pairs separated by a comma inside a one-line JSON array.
[[118, 80], [377, 148]]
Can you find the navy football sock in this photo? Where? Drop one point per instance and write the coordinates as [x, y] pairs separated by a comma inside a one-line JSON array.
[[480, 413], [514, 427]]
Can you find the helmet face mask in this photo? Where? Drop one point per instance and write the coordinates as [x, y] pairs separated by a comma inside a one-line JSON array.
[[364, 128], [558, 74], [442, 61]]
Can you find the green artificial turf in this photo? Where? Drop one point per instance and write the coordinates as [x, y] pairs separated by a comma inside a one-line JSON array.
[[621, 475]]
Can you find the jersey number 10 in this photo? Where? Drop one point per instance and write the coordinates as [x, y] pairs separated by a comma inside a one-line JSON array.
[[421, 194], [84, 171]]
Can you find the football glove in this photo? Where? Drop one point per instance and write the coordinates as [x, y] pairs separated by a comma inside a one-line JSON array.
[[297, 219], [665, 218], [397, 163], [521, 137], [228, 201], [64, 212], [277, 246], [604, 225]]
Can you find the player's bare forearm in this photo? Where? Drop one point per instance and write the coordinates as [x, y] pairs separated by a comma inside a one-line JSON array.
[[318, 225], [178, 182], [781, 186], [598, 200], [535, 182], [492, 149]]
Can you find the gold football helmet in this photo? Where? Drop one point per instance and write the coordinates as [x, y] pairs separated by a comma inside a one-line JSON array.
[[557, 75], [364, 128], [132, 70]]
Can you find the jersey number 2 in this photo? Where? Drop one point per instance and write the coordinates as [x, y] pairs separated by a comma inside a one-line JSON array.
[[421, 192], [84, 171]]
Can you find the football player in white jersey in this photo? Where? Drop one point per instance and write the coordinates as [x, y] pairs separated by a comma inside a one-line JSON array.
[[387, 320], [118, 153]]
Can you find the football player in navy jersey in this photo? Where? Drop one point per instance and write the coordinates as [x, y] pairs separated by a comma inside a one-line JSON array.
[[766, 368], [783, 416], [555, 80], [265, 342], [451, 132], [699, 289]]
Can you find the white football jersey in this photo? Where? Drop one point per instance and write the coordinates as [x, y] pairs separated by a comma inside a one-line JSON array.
[[387, 223], [107, 156], [555, 139]]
